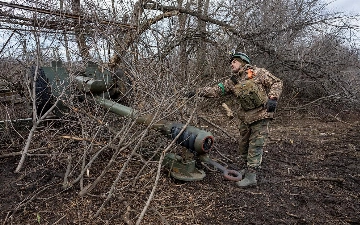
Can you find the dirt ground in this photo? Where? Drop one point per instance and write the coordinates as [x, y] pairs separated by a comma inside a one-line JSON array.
[[310, 175]]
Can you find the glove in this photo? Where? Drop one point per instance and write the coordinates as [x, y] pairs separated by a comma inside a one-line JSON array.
[[271, 105], [190, 94]]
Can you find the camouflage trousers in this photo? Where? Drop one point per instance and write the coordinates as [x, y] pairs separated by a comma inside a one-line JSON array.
[[252, 141]]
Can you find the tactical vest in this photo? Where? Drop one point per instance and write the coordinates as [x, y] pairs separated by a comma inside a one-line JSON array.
[[249, 94]]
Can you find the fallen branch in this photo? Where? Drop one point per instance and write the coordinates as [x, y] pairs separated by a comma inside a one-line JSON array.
[[216, 126], [126, 216], [80, 139], [316, 100], [352, 125], [66, 180], [20, 153], [217, 150], [163, 220], [29, 198]]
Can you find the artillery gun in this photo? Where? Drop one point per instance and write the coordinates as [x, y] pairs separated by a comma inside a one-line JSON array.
[[103, 86]]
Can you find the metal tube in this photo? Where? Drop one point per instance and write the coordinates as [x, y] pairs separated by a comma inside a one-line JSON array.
[[116, 108], [89, 84], [196, 140]]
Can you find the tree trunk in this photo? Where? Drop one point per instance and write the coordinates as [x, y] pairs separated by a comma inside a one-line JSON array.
[[183, 44], [80, 35], [203, 6]]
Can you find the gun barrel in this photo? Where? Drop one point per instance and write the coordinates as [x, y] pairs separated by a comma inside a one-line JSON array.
[[116, 108], [196, 140], [89, 84]]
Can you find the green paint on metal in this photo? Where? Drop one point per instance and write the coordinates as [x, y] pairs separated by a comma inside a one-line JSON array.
[[181, 169], [97, 72], [58, 77], [89, 84]]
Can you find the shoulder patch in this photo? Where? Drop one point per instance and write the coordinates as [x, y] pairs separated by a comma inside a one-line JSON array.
[[222, 87]]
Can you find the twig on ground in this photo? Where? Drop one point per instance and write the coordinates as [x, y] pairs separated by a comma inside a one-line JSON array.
[[28, 199], [163, 220], [81, 139], [19, 153], [316, 100], [144, 166], [353, 125], [321, 178], [216, 126], [56, 222], [7, 215], [126, 216], [222, 155], [66, 181]]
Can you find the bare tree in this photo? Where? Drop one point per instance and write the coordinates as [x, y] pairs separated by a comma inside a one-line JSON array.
[[165, 47], [80, 35]]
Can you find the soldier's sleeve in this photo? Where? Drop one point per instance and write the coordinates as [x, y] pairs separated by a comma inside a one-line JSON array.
[[273, 84], [217, 90]]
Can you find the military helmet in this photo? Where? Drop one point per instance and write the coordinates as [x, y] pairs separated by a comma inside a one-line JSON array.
[[242, 56]]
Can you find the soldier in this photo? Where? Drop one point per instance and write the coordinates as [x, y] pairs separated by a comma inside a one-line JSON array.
[[257, 91]]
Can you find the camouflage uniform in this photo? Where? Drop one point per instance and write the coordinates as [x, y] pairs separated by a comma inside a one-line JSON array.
[[254, 122]]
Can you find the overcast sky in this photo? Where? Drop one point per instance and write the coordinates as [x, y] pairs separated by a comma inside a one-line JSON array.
[[351, 6]]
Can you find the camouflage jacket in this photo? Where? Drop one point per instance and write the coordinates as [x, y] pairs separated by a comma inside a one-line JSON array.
[[263, 79]]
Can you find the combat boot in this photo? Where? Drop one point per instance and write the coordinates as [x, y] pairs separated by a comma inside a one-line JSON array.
[[248, 180], [242, 172]]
